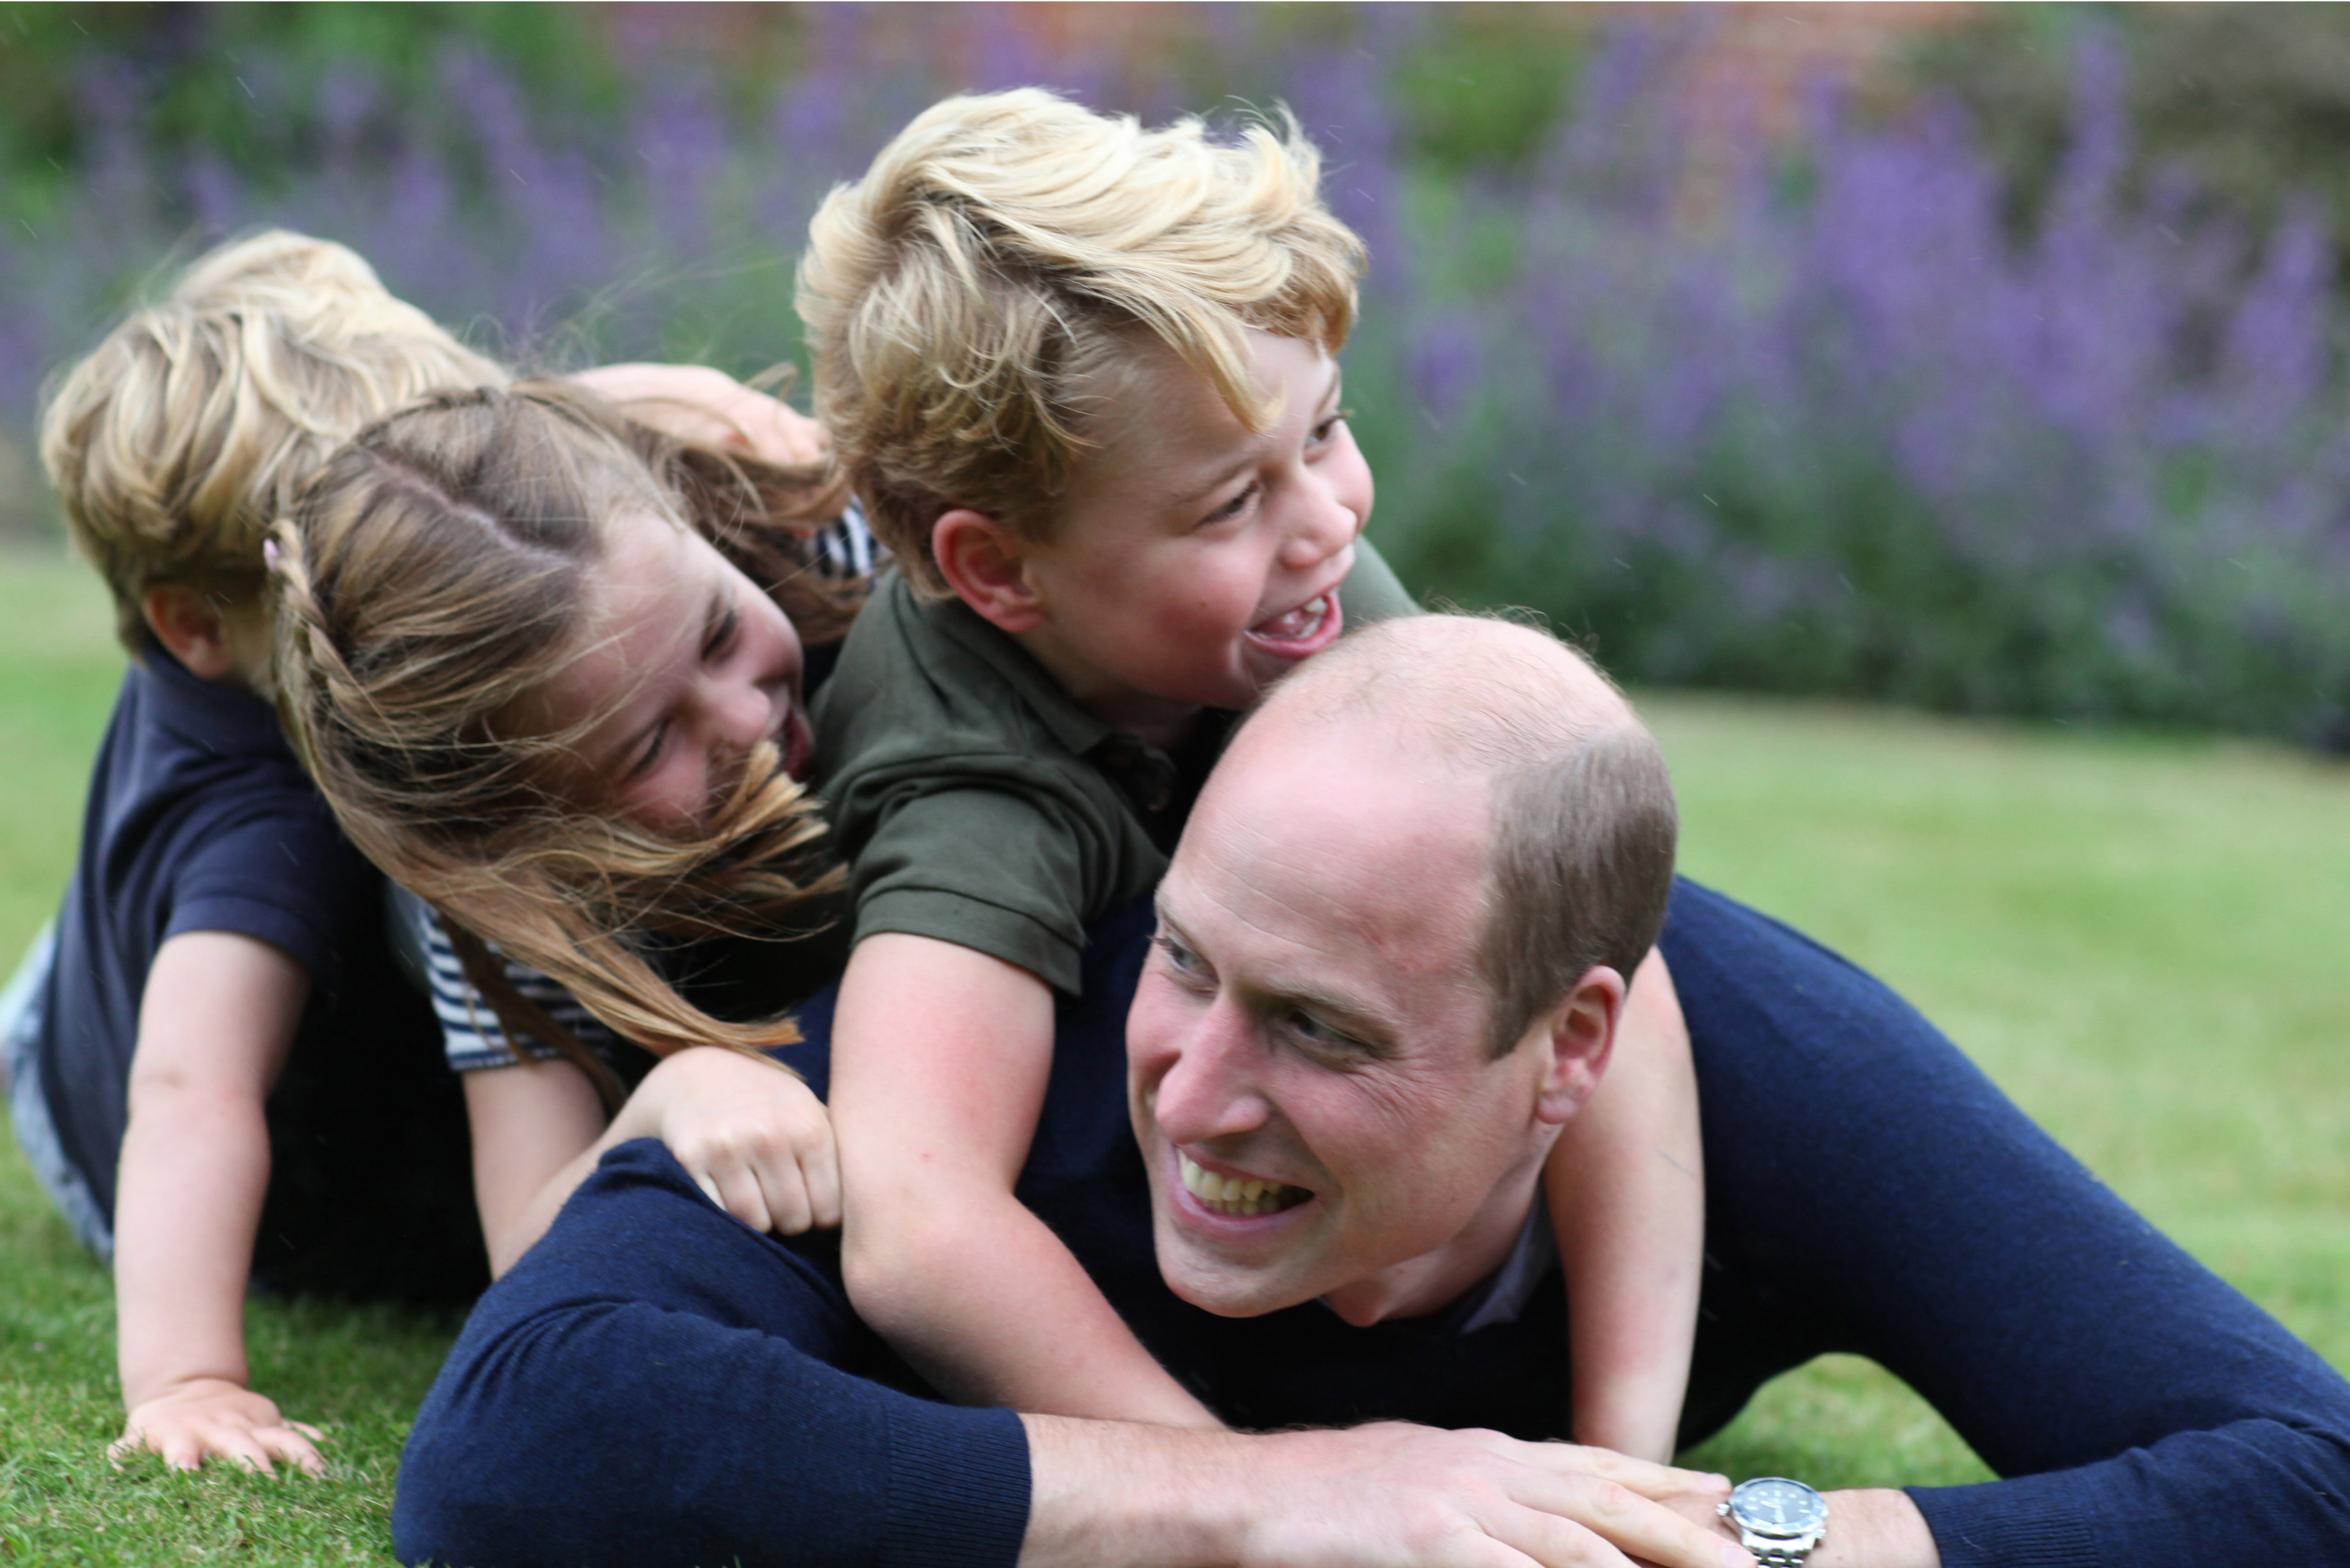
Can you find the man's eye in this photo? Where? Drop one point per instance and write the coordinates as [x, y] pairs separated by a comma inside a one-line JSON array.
[[1315, 1032], [1179, 959]]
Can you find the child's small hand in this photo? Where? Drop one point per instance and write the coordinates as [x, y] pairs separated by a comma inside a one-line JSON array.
[[212, 1417], [753, 1136], [694, 402]]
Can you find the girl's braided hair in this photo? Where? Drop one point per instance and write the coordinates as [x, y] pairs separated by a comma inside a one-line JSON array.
[[431, 576]]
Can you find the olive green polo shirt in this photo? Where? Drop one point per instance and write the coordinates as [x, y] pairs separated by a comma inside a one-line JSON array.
[[979, 804]]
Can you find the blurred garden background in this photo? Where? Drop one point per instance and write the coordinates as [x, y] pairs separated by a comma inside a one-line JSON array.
[[1982, 358], [1809, 363]]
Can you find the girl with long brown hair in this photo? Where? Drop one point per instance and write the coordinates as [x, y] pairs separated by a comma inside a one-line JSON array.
[[547, 664]]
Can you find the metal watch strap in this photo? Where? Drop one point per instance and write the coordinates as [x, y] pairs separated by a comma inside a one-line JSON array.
[[1775, 1554]]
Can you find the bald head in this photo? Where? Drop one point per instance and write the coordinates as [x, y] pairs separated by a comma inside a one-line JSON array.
[[1579, 819], [1489, 691]]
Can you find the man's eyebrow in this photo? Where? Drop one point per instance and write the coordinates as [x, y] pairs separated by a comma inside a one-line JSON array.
[[1167, 922], [1368, 1027]]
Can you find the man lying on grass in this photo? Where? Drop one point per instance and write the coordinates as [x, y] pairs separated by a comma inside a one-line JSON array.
[[1387, 968]]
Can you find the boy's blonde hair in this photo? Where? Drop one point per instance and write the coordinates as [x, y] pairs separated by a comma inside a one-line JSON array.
[[1004, 249], [188, 431], [433, 577]]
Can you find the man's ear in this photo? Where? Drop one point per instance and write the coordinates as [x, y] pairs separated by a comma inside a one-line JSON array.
[[1577, 1037], [982, 562], [186, 622]]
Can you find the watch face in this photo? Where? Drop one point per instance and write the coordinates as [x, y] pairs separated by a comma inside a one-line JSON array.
[[1772, 1505]]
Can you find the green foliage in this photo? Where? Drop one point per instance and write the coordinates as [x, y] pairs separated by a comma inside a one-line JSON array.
[[2254, 99], [1488, 83], [241, 80], [58, 667]]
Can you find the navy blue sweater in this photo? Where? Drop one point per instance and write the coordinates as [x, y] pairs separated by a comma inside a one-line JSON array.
[[655, 1384]]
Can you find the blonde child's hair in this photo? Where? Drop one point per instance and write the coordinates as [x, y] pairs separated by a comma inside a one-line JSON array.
[[178, 441], [433, 577], [1004, 249]]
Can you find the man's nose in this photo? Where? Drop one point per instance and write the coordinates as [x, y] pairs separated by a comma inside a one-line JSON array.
[[1211, 1090]]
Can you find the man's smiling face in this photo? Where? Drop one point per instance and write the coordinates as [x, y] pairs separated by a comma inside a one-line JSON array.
[[1312, 1020]]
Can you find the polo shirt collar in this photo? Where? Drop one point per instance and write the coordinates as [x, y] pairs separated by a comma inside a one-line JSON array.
[[1147, 773], [216, 717]]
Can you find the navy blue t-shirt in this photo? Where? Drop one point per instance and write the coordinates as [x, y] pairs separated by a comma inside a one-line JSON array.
[[201, 819]]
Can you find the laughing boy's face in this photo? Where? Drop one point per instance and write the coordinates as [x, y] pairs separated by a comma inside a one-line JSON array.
[[1196, 562]]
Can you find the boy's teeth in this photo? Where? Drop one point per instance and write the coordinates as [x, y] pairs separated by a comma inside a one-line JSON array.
[[1232, 1195], [1295, 626]]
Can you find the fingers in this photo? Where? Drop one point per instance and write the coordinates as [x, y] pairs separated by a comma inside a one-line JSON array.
[[297, 1448], [773, 1191], [785, 1190], [770, 1163], [1591, 1519], [1659, 1483], [185, 1445], [820, 1168], [735, 1185]]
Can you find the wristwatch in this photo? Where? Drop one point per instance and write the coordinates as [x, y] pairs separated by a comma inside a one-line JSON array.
[[1779, 1521]]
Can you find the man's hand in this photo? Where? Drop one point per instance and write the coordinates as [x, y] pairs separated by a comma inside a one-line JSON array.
[[1385, 1496], [755, 1138], [210, 1418], [1874, 1527]]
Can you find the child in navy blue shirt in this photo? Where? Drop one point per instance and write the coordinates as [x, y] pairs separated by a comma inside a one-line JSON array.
[[216, 1068]]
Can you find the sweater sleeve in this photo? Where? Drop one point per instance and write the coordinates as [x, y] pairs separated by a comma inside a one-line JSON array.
[[2259, 1491], [1868, 1190], [657, 1383]]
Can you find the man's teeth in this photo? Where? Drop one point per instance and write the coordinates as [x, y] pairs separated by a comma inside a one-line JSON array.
[[1232, 1195], [1297, 625]]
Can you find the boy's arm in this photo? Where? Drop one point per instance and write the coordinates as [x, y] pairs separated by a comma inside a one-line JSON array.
[[1626, 1184], [214, 1023], [939, 1059]]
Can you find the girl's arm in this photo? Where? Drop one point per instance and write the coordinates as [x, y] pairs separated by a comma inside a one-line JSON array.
[[939, 1059], [1626, 1183], [751, 1135], [530, 1123], [214, 1023], [748, 1132]]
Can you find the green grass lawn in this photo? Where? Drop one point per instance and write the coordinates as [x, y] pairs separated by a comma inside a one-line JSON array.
[[2138, 936]]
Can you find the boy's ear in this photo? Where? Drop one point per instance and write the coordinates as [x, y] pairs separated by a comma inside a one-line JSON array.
[[982, 561], [186, 622], [1577, 1037]]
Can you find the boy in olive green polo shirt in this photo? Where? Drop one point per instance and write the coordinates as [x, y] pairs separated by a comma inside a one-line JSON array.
[[1082, 376]]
